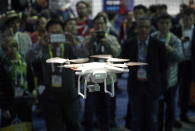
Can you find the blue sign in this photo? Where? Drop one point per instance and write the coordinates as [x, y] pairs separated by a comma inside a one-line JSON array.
[[112, 5]]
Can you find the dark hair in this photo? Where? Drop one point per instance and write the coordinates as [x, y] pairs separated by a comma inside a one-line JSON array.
[[143, 18], [53, 22], [163, 6], [164, 16], [82, 2], [99, 15], [140, 6], [188, 11], [153, 8], [7, 22], [111, 14], [184, 6]]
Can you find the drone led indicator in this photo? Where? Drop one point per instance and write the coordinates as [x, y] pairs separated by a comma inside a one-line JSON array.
[[98, 76]]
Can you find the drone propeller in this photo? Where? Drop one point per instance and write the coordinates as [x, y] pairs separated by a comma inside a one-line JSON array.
[[109, 58], [117, 60], [61, 60], [71, 66], [102, 56], [119, 65], [80, 60], [57, 60], [135, 63]]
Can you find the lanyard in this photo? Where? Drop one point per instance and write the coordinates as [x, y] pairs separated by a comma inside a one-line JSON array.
[[182, 31], [38, 36], [125, 30], [21, 69], [107, 32], [168, 38], [19, 60], [51, 55], [85, 29]]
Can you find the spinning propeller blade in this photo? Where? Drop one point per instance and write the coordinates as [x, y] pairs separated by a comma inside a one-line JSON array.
[[61, 60], [71, 66], [117, 60], [119, 65], [81, 60], [56, 60], [109, 58], [135, 63]]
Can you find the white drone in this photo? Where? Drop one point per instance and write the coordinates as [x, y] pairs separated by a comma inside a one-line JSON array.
[[95, 73]]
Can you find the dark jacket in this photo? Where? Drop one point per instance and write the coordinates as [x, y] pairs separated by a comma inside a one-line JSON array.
[[6, 89], [193, 62], [177, 30], [156, 70], [193, 56]]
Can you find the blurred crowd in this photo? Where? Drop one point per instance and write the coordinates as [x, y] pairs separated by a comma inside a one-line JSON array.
[[150, 35]]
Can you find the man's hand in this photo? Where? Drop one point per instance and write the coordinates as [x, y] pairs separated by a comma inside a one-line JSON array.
[[185, 39]]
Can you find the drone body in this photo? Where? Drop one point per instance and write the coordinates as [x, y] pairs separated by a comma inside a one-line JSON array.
[[95, 73]]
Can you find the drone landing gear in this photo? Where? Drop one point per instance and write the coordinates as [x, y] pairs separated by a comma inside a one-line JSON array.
[[95, 87], [111, 93]]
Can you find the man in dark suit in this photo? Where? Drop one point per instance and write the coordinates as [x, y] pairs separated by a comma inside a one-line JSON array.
[[145, 83]]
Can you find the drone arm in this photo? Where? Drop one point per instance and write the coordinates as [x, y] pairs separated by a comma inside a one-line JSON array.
[[105, 87], [112, 85]]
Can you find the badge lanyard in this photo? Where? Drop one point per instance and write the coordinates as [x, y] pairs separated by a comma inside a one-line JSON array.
[[182, 31], [56, 77], [51, 55], [22, 69], [125, 30], [38, 36], [85, 26], [107, 32]]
